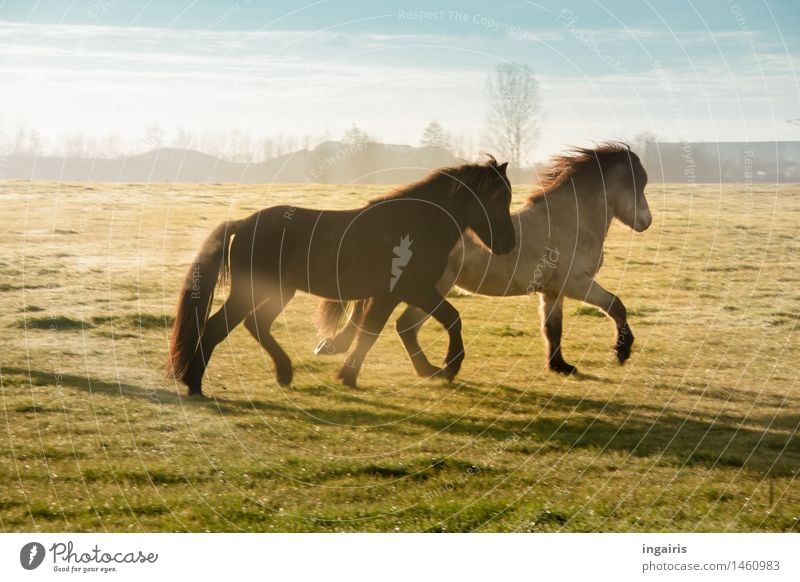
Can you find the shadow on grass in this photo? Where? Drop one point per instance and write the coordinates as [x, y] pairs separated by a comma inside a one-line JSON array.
[[93, 385], [640, 430]]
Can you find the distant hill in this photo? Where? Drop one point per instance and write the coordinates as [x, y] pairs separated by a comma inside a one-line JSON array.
[[376, 163], [329, 162]]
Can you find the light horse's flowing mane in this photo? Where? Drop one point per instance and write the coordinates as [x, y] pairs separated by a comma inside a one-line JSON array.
[[564, 166]]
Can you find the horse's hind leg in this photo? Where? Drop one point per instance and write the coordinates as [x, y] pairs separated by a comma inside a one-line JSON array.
[[376, 313], [339, 343], [611, 305], [217, 328], [551, 306], [259, 322]]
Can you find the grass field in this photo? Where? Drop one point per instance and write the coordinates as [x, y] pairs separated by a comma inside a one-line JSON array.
[[698, 432]]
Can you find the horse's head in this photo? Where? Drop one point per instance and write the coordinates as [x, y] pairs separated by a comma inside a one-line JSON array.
[[625, 180], [484, 195]]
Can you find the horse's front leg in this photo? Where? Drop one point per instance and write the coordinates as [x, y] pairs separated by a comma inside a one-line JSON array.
[[411, 321], [432, 303], [408, 326], [376, 313], [611, 305], [551, 310]]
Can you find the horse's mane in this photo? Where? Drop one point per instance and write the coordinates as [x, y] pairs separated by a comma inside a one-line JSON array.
[[470, 175], [566, 165]]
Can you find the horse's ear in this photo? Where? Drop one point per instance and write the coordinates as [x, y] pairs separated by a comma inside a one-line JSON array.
[[502, 167]]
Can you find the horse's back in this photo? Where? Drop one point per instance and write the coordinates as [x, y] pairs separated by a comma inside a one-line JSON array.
[[340, 254], [550, 250]]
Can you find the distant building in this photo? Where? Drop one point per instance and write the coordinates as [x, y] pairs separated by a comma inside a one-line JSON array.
[[714, 162]]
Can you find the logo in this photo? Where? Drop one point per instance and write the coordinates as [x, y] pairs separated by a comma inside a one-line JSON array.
[[31, 555], [402, 254]]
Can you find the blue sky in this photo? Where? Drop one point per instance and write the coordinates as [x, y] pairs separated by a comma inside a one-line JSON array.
[[704, 71]]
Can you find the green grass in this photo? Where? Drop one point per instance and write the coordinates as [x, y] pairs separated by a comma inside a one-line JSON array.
[[57, 323], [698, 432], [587, 310]]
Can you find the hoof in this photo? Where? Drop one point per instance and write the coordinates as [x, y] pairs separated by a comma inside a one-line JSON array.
[[623, 355], [624, 343], [284, 378], [325, 348], [196, 394], [450, 372], [453, 365], [562, 368], [429, 371], [348, 376]]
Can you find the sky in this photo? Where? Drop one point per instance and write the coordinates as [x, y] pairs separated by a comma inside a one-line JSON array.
[[702, 70]]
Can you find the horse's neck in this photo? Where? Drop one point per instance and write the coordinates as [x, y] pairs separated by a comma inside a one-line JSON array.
[[437, 194], [584, 201]]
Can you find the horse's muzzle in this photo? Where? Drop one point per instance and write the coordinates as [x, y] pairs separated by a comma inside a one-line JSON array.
[[643, 221]]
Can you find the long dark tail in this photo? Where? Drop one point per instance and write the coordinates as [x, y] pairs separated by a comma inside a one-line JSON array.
[[194, 301], [330, 315]]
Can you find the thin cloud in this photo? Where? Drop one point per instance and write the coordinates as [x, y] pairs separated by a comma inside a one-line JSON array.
[[101, 78]]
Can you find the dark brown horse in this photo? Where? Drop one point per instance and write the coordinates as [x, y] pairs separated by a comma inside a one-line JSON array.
[[393, 249]]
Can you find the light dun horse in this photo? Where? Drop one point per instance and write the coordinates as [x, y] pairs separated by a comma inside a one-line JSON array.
[[561, 231], [394, 249]]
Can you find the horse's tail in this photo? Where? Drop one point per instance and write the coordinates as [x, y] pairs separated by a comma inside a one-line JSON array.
[[330, 315], [194, 301]]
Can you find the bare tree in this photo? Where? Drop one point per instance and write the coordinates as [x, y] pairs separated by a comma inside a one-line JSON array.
[[35, 143], [513, 122], [19, 145], [212, 142], [434, 136], [355, 135], [288, 143], [240, 147], [5, 147], [645, 145], [183, 139], [112, 145], [74, 145], [462, 146], [154, 137], [27, 142], [267, 149], [640, 140], [92, 147]]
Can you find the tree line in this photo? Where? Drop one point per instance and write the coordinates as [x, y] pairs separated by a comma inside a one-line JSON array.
[[511, 129]]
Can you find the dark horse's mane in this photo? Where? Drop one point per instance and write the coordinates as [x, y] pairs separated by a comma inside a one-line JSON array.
[[465, 175], [564, 166]]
